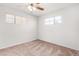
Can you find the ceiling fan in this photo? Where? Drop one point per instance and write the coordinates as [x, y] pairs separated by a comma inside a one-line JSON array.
[[35, 6]]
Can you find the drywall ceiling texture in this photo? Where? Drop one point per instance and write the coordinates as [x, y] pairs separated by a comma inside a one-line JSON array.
[[65, 33], [12, 34]]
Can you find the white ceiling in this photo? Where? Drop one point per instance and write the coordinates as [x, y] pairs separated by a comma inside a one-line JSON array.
[[49, 7]]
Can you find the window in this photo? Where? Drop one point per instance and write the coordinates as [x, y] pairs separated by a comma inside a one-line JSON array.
[[46, 21], [15, 19], [53, 20], [20, 20], [9, 18], [49, 20], [58, 19]]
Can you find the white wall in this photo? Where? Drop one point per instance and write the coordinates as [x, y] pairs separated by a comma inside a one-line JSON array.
[[66, 33], [12, 34]]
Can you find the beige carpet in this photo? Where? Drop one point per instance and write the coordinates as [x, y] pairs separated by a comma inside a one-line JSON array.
[[38, 48]]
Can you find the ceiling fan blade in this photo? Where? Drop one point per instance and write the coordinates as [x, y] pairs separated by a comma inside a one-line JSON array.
[[40, 8], [37, 6]]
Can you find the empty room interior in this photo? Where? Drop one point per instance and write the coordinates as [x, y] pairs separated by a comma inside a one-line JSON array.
[[39, 29]]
